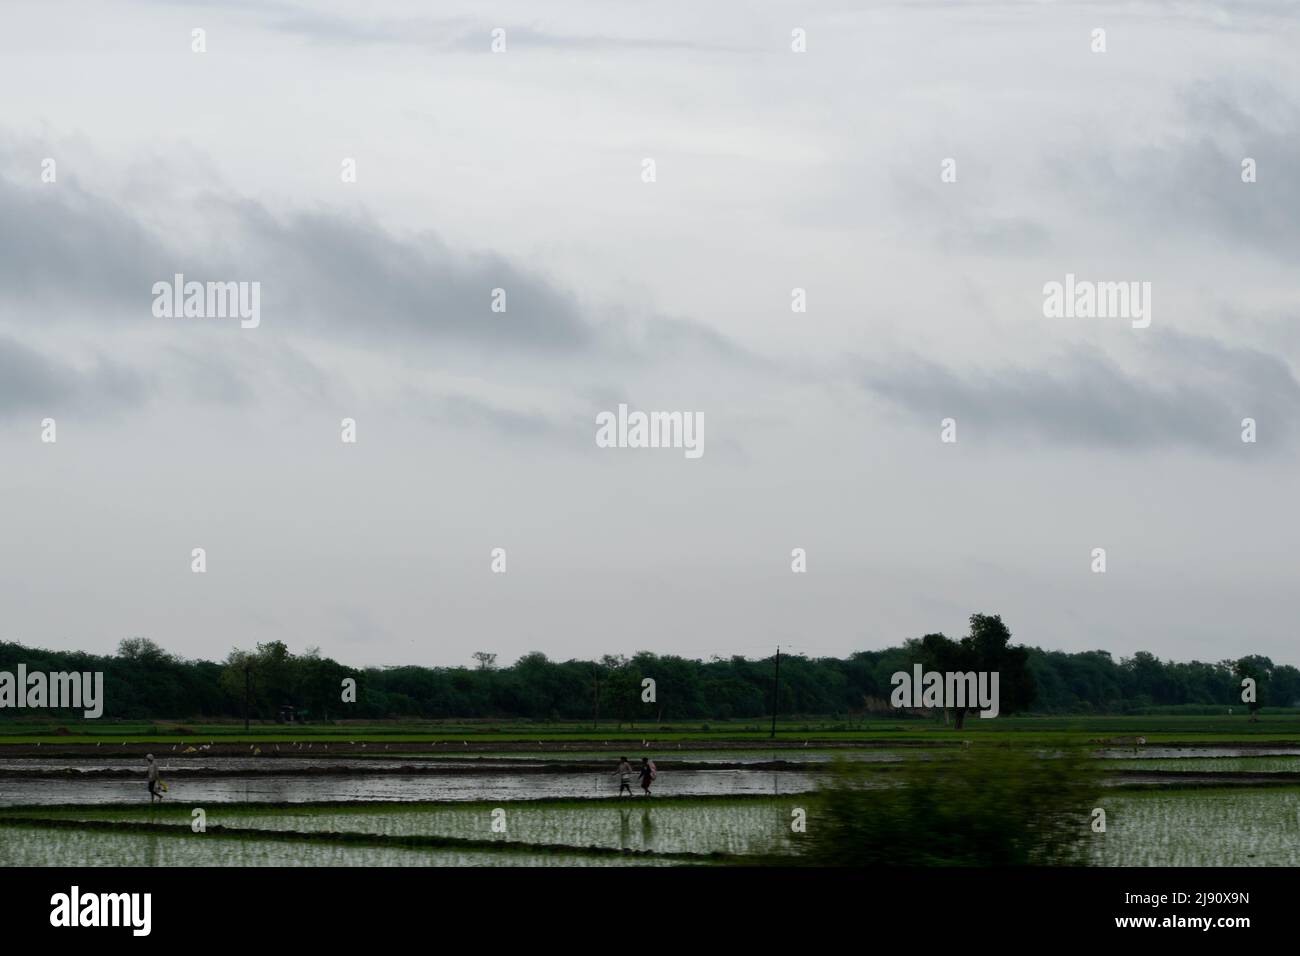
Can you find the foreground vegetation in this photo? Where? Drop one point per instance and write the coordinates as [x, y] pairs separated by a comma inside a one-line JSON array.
[[993, 807]]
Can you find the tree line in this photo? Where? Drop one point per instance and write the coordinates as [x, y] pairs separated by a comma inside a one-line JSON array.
[[143, 681]]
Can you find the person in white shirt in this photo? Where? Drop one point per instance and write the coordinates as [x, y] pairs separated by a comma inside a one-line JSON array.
[[624, 772]]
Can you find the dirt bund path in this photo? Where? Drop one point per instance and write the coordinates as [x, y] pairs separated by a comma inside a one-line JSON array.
[[467, 768], [215, 747]]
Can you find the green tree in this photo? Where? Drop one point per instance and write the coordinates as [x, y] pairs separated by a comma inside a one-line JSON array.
[[986, 649], [1260, 670]]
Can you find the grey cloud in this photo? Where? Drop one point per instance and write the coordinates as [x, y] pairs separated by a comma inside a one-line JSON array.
[[993, 235], [30, 382], [521, 37], [1194, 392], [323, 274], [61, 245], [667, 339], [474, 414], [464, 410], [975, 219], [70, 257], [68, 253], [1192, 188], [469, 36]]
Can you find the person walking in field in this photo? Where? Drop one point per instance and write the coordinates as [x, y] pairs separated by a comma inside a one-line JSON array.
[[624, 772], [648, 774], [154, 787]]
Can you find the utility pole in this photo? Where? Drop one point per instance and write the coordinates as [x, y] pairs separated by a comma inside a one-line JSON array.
[[247, 682], [595, 684], [776, 685]]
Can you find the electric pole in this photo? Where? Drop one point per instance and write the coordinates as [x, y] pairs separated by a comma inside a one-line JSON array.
[[247, 682], [776, 685]]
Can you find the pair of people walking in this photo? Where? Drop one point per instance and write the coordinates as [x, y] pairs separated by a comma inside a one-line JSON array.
[[646, 774]]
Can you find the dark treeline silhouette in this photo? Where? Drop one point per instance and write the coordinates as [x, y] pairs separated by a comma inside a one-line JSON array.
[[144, 681]]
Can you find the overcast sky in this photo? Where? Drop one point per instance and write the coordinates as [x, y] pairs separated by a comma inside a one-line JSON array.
[[523, 170]]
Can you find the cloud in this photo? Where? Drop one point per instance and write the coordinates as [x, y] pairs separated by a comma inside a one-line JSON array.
[[62, 245], [466, 35], [1193, 393], [78, 267], [324, 274], [32, 382], [1188, 188], [474, 415], [321, 272]]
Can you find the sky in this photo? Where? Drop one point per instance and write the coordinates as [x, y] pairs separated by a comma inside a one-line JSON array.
[[524, 169]]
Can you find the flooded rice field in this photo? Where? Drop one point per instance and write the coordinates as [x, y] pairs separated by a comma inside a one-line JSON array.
[[268, 787], [728, 825], [21, 846], [561, 807], [1187, 753], [510, 776], [1239, 827], [1211, 765]]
